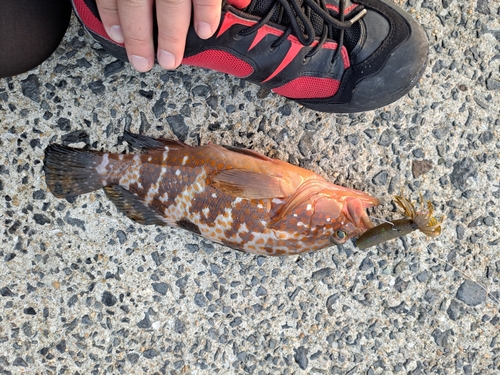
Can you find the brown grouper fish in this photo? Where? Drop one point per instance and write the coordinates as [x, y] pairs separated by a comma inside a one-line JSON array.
[[236, 197]]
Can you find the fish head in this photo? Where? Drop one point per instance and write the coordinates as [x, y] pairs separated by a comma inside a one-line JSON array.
[[325, 214], [341, 217]]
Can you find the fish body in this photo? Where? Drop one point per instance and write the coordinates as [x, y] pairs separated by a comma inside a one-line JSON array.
[[232, 196]]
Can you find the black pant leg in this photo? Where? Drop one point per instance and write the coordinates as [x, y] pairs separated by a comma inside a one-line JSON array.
[[30, 31]]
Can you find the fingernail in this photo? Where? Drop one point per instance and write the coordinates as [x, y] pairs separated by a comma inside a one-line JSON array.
[[203, 30], [116, 33], [166, 60], [140, 63]]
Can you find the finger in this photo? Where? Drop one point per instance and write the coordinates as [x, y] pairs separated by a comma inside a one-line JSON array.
[[108, 11], [136, 19], [206, 17], [172, 31]]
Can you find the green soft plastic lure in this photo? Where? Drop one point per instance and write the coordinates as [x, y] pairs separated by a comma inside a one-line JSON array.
[[422, 220]]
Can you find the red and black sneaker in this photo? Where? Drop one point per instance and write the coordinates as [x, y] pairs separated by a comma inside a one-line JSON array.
[[328, 55]]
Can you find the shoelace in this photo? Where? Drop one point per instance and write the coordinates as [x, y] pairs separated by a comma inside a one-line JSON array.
[[299, 14]]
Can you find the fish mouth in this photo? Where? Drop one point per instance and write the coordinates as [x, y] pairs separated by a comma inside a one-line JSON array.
[[367, 201], [355, 208], [363, 223], [367, 224]]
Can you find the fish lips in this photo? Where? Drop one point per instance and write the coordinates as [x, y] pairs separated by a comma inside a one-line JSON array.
[[355, 209]]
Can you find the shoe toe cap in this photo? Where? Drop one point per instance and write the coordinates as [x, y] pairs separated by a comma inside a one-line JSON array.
[[400, 71], [382, 71]]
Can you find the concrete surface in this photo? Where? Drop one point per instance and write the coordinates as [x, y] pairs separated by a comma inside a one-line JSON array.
[[83, 290]]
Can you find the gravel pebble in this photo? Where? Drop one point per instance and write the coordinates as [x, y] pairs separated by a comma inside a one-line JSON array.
[[301, 357], [150, 353], [161, 288], [133, 358], [179, 326], [31, 87], [366, 264], [97, 87], [200, 300], [306, 144], [322, 273], [108, 299], [144, 323], [462, 170], [471, 293], [113, 68], [19, 362], [380, 178], [420, 167], [41, 219], [453, 310], [261, 291]]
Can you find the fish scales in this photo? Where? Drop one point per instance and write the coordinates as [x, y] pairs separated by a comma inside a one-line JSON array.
[[235, 197]]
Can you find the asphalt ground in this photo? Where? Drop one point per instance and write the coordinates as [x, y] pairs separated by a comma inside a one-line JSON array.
[[84, 290]]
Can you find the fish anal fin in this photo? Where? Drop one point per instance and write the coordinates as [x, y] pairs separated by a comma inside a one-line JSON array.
[[250, 185], [132, 206], [145, 143]]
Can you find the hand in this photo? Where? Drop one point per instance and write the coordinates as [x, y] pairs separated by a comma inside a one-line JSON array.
[[131, 22]]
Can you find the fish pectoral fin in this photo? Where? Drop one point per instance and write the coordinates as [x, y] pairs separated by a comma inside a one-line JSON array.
[[250, 185], [132, 206], [248, 152], [145, 143]]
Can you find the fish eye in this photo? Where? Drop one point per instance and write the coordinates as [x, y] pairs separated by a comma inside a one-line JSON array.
[[338, 237]]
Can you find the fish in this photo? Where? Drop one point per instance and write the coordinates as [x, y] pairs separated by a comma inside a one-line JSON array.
[[232, 196], [422, 220]]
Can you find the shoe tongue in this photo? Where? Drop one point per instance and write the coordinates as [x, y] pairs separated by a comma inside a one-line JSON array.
[[261, 8]]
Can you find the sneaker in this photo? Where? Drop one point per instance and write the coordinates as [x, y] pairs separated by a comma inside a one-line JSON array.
[[328, 55]]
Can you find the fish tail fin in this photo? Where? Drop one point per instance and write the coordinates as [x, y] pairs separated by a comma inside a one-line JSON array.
[[70, 172]]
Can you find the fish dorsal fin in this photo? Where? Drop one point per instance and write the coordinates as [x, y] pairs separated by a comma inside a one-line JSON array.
[[250, 185], [248, 152], [132, 206], [145, 143]]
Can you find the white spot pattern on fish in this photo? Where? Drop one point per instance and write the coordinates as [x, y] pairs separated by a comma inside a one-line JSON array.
[[154, 189], [102, 168], [131, 175]]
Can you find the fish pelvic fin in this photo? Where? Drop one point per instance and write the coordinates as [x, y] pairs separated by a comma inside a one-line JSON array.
[[133, 206], [70, 172]]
